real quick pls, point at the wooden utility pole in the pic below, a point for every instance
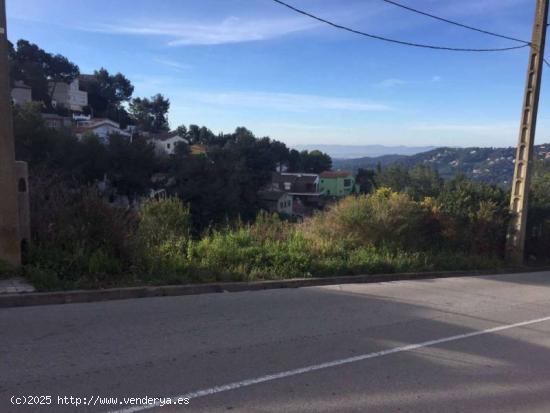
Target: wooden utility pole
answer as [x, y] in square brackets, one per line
[524, 154]
[10, 250]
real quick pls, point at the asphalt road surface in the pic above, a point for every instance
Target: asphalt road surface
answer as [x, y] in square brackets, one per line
[472, 344]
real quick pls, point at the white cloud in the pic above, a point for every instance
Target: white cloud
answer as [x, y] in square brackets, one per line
[172, 64]
[289, 102]
[229, 30]
[436, 78]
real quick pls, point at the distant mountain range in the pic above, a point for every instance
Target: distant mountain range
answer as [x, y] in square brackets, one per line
[350, 151]
[490, 165]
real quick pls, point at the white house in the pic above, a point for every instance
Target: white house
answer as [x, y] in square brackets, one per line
[166, 142]
[69, 95]
[56, 121]
[101, 127]
[21, 93]
[276, 201]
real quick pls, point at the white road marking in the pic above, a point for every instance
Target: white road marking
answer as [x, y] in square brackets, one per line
[334, 363]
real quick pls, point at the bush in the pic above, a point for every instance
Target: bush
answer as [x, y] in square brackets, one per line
[538, 233]
[82, 242]
[77, 236]
[474, 217]
[162, 236]
[6, 270]
[382, 218]
[267, 249]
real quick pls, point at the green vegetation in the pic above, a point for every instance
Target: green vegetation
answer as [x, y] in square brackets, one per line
[210, 227]
[538, 242]
[493, 166]
[36, 67]
[82, 243]
[219, 187]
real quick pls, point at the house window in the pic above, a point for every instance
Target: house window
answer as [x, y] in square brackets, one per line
[167, 146]
[287, 186]
[347, 182]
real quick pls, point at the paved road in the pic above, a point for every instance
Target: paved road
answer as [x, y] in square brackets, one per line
[480, 345]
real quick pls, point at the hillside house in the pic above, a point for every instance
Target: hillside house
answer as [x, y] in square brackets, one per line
[304, 189]
[69, 95]
[57, 122]
[166, 142]
[276, 201]
[101, 127]
[337, 183]
[21, 93]
[296, 183]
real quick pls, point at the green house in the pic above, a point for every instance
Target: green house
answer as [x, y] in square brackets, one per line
[337, 183]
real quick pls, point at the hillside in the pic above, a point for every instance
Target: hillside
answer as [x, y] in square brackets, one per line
[357, 151]
[490, 165]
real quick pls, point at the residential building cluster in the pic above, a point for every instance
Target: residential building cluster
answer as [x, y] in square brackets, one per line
[71, 97]
[300, 194]
[291, 194]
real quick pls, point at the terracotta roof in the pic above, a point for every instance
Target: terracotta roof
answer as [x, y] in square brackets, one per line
[198, 149]
[335, 174]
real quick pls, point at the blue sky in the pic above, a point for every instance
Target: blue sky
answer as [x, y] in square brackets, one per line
[228, 63]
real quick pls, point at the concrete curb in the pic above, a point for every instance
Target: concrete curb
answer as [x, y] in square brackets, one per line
[87, 296]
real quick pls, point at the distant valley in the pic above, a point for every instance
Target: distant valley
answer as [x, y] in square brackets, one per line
[358, 151]
[490, 165]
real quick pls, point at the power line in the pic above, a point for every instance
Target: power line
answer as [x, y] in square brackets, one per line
[453, 22]
[386, 39]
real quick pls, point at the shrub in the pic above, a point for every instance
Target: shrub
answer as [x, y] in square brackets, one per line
[382, 218]
[268, 226]
[82, 242]
[538, 233]
[162, 236]
[6, 270]
[76, 235]
[474, 217]
[269, 248]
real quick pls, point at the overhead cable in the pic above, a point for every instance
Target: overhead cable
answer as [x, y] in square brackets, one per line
[401, 42]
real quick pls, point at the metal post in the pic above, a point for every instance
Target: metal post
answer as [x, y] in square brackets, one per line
[10, 250]
[524, 153]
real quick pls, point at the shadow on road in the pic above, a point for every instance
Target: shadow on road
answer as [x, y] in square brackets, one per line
[170, 346]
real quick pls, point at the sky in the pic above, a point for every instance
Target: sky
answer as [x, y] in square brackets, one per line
[254, 63]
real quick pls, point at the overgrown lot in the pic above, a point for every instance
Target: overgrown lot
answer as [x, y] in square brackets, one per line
[82, 242]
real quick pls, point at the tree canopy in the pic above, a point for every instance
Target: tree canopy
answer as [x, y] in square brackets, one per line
[309, 162]
[107, 93]
[36, 67]
[150, 115]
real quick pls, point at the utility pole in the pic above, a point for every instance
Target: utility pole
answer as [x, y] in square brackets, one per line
[10, 250]
[524, 154]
